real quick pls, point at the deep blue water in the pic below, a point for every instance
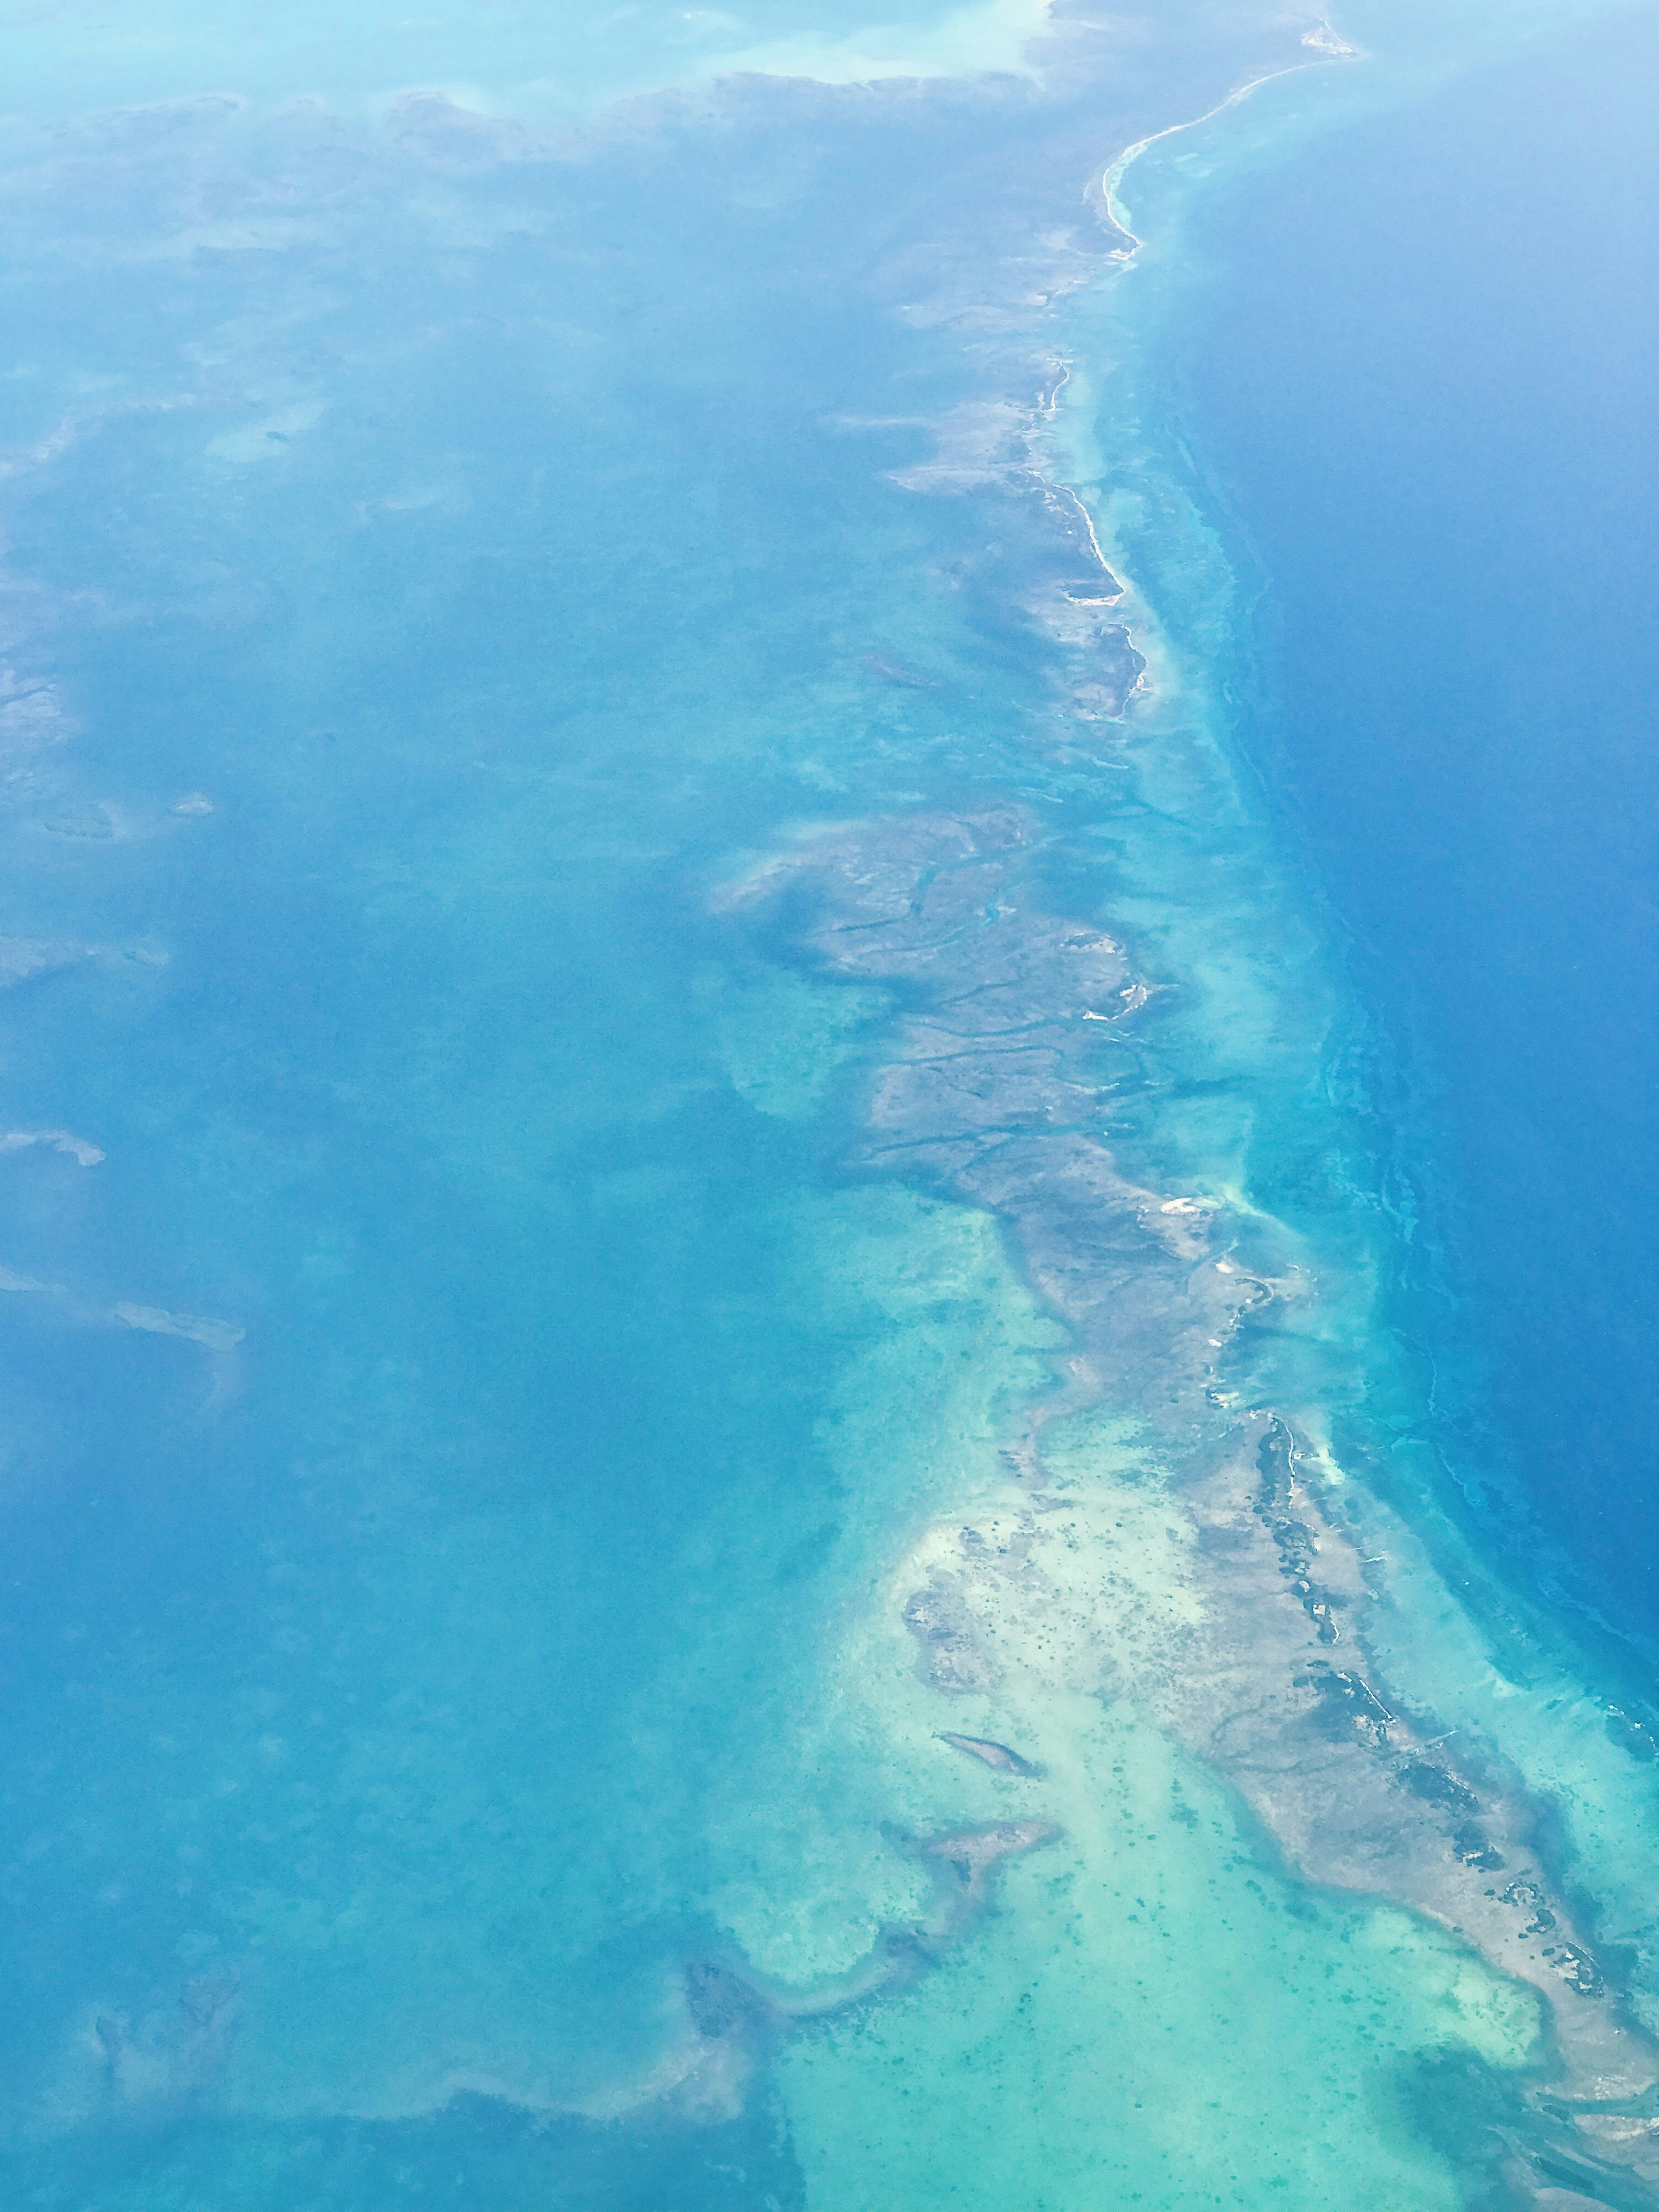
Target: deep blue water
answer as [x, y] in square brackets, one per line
[466, 550]
[1422, 375]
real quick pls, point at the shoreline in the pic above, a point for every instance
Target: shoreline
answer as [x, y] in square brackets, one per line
[1266, 1677]
[1057, 1007]
[1327, 47]
[1453, 1836]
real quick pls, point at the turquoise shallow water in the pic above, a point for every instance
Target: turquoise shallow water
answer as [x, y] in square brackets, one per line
[474, 1428]
[549, 61]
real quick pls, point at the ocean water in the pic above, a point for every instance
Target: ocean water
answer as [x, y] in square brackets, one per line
[1431, 410]
[570, 760]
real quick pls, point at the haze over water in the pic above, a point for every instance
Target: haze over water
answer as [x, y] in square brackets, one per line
[746, 1327]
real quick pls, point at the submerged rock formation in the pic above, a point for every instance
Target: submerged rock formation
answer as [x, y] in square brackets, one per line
[995, 1086]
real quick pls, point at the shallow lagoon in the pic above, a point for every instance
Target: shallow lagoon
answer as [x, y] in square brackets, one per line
[509, 555]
